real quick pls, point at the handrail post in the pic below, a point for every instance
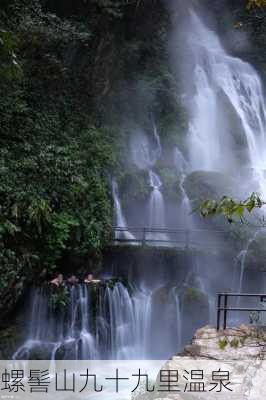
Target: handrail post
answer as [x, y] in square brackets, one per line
[225, 310]
[219, 311]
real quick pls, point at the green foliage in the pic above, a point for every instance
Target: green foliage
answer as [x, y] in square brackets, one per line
[9, 66]
[171, 184]
[234, 343]
[231, 209]
[111, 7]
[222, 343]
[55, 164]
[256, 3]
[193, 294]
[58, 298]
[134, 185]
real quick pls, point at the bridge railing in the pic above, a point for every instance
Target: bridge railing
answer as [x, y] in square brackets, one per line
[223, 307]
[165, 236]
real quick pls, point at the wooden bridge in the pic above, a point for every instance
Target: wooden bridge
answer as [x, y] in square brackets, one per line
[168, 237]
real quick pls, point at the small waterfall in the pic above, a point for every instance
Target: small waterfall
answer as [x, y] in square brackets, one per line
[241, 259]
[178, 319]
[186, 209]
[146, 151]
[156, 149]
[120, 219]
[156, 209]
[182, 168]
[66, 334]
[180, 162]
[156, 202]
[140, 150]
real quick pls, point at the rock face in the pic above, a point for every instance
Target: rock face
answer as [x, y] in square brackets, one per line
[242, 343]
[195, 311]
[241, 351]
[200, 185]
[256, 255]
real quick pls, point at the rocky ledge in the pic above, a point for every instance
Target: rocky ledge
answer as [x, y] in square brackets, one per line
[241, 343]
[241, 351]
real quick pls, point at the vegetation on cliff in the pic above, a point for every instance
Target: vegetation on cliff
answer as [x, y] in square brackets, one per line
[75, 76]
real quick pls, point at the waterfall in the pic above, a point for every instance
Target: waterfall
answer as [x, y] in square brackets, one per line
[156, 202]
[180, 162]
[182, 169]
[156, 209]
[120, 219]
[144, 320]
[66, 333]
[156, 149]
[178, 319]
[146, 151]
[156, 206]
[223, 82]
[100, 323]
[241, 260]
[186, 209]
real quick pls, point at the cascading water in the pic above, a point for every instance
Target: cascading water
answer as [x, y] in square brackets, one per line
[146, 151]
[156, 209]
[120, 219]
[222, 85]
[241, 261]
[66, 334]
[156, 201]
[100, 323]
[224, 82]
[145, 320]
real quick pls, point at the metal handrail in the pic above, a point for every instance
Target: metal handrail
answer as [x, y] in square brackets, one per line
[224, 308]
[144, 235]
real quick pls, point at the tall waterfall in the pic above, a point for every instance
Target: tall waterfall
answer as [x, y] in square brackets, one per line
[223, 83]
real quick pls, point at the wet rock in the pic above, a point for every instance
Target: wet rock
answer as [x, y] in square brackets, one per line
[244, 342]
[195, 311]
[256, 255]
[201, 185]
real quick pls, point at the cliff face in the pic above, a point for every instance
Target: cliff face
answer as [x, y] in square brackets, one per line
[74, 74]
[240, 351]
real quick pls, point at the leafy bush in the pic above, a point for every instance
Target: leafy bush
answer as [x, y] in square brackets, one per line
[54, 162]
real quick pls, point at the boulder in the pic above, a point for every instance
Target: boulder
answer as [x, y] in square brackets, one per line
[202, 185]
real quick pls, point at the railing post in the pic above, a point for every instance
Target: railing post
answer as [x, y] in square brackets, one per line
[225, 310]
[219, 311]
[144, 237]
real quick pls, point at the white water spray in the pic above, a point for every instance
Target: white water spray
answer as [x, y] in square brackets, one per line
[224, 82]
